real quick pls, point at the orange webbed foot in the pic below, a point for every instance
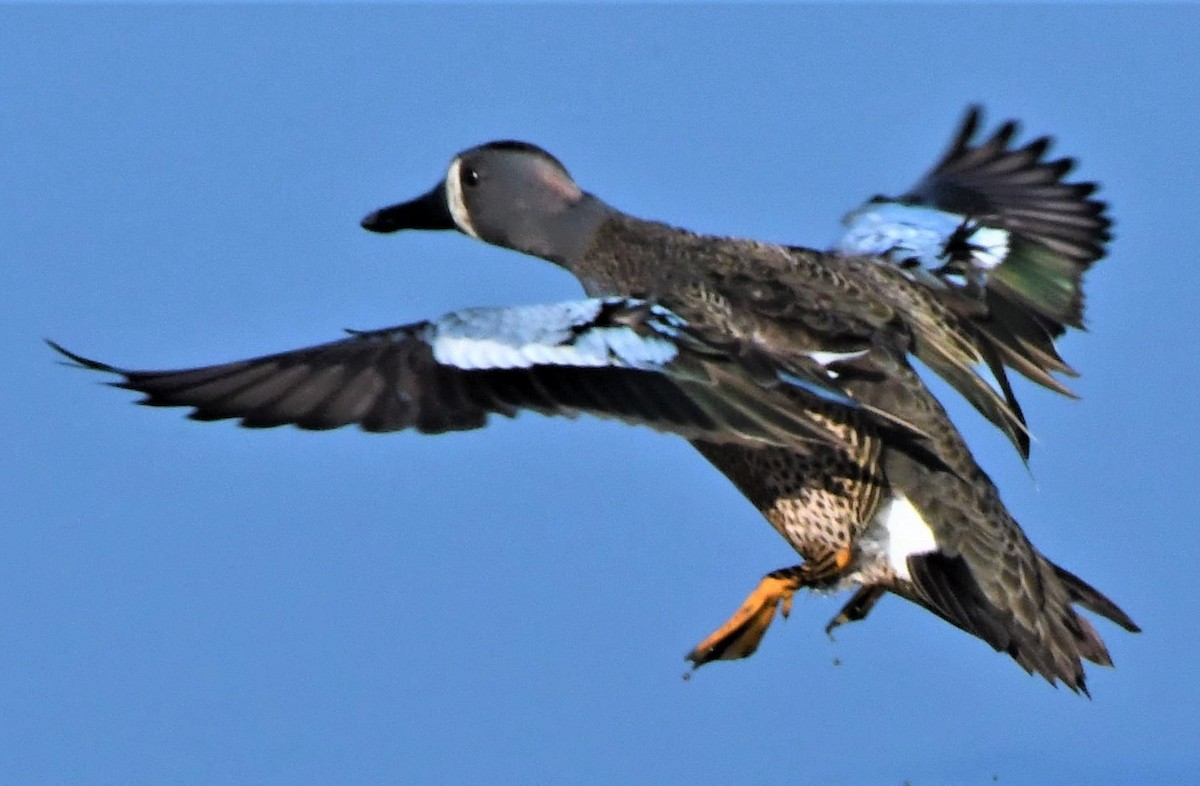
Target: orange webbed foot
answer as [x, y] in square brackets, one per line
[741, 634]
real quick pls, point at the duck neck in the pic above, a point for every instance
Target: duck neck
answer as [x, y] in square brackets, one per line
[563, 238]
[625, 255]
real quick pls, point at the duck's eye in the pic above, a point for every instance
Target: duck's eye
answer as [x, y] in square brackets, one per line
[469, 177]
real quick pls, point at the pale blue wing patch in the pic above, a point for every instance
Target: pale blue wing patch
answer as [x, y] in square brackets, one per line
[562, 334]
[905, 233]
[823, 391]
[597, 333]
[821, 382]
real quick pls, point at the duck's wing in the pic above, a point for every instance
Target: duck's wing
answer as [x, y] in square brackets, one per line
[833, 307]
[612, 357]
[997, 235]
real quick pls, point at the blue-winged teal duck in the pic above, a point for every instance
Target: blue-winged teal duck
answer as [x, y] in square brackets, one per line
[786, 367]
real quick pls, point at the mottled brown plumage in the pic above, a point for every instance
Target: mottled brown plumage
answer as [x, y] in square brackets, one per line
[985, 577]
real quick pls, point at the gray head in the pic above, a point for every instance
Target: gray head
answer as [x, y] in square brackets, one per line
[510, 194]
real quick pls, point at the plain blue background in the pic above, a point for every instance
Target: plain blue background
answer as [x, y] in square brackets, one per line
[196, 603]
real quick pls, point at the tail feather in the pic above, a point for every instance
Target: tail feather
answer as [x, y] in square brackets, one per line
[1054, 647]
[1093, 600]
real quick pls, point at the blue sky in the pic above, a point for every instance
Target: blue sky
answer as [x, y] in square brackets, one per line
[197, 603]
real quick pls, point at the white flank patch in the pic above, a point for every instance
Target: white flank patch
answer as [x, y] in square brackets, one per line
[904, 533]
[454, 198]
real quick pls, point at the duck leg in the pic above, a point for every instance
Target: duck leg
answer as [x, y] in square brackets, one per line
[741, 634]
[857, 608]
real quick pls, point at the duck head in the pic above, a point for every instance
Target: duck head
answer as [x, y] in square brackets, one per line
[510, 194]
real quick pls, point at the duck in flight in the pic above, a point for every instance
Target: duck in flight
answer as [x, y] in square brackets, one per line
[786, 367]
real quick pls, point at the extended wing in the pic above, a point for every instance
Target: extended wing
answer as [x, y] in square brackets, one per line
[997, 237]
[612, 357]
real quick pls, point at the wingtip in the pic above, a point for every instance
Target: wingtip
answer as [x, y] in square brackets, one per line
[79, 361]
[972, 118]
